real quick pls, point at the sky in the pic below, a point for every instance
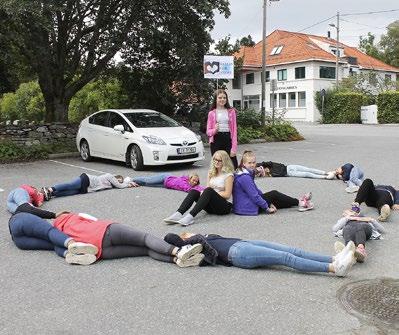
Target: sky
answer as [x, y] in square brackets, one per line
[299, 15]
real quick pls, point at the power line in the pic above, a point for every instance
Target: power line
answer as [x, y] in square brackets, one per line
[316, 24]
[367, 13]
[362, 24]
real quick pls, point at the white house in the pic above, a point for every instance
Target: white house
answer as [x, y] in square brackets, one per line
[302, 65]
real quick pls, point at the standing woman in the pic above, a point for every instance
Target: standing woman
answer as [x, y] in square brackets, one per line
[222, 126]
[214, 199]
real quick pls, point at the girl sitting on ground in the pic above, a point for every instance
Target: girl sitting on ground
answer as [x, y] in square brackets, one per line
[250, 254]
[167, 180]
[214, 199]
[248, 199]
[351, 175]
[358, 229]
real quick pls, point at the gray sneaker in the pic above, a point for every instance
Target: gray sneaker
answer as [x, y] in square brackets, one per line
[385, 212]
[187, 251]
[174, 218]
[82, 248]
[352, 189]
[81, 259]
[186, 220]
[344, 264]
[192, 261]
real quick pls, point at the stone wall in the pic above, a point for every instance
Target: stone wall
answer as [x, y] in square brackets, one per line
[39, 134]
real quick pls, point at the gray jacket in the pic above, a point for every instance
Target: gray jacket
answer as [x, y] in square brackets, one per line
[103, 182]
[377, 228]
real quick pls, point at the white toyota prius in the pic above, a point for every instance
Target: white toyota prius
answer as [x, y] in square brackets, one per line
[138, 137]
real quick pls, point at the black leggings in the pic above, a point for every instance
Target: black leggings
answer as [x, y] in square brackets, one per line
[222, 141]
[209, 200]
[124, 241]
[358, 232]
[280, 200]
[372, 197]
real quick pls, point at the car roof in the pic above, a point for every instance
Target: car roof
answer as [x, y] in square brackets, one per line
[123, 111]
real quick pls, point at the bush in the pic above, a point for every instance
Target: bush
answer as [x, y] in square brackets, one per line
[388, 107]
[247, 134]
[283, 131]
[11, 152]
[340, 107]
[248, 118]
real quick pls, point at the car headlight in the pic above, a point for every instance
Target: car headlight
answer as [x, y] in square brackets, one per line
[154, 140]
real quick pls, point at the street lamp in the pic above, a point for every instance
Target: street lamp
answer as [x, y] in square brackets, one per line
[263, 95]
[336, 26]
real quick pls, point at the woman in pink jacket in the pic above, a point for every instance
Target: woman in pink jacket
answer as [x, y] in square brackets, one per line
[222, 126]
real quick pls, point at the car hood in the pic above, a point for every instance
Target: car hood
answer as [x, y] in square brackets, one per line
[169, 133]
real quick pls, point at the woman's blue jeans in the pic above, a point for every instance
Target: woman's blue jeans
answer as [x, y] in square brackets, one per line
[29, 232]
[254, 254]
[17, 197]
[305, 172]
[65, 189]
[154, 181]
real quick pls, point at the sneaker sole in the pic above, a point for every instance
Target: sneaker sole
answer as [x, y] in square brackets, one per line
[192, 261]
[196, 249]
[83, 249]
[86, 259]
[359, 257]
[303, 209]
[170, 222]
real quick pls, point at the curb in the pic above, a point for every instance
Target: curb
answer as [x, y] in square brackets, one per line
[64, 155]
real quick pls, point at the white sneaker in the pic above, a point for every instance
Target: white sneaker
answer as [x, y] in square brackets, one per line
[343, 250]
[194, 260]
[338, 247]
[174, 218]
[343, 264]
[186, 220]
[187, 251]
[82, 248]
[81, 259]
[352, 189]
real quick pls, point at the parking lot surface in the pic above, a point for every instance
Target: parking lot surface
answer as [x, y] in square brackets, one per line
[41, 294]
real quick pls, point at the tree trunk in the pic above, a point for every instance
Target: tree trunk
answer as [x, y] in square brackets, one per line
[56, 108]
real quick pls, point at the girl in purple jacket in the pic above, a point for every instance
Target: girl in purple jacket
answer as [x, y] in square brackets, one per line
[248, 199]
[221, 126]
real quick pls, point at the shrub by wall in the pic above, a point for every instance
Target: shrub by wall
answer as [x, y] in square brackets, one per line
[388, 107]
[340, 107]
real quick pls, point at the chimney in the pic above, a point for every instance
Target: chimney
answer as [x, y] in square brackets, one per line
[328, 34]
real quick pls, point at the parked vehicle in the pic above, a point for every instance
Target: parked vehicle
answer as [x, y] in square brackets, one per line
[138, 137]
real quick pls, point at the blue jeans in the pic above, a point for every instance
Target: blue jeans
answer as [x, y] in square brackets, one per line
[29, 232]
[153, 181]
[17, 197]
[65, 189]
[254, 254]
[356, 177]
[305, 172]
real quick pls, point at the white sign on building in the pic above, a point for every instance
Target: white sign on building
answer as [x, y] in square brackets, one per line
[218, 67]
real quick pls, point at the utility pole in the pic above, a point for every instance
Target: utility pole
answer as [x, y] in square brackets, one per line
[337, 56]
[262, 104]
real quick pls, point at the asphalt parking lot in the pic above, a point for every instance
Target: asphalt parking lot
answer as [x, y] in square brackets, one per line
[42, 294]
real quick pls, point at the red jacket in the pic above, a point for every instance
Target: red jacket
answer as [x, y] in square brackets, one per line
[36, 198]
[83, 229]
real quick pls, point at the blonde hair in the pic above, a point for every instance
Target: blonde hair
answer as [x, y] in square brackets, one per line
[245, 156]
[194, 174]
[185, 235]
[227, 165]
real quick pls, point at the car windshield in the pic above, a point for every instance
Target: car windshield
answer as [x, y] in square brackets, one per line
[151, 120]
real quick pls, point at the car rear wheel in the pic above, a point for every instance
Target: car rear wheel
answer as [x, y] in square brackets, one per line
[85, 151]
[136, 158]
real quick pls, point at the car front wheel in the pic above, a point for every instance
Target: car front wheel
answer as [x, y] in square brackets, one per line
[136, 158]
[85, 151]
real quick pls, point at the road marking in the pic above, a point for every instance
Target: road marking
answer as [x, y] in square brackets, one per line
[76, 166]
[1, 190]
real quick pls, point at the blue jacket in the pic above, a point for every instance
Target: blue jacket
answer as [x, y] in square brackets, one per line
[247, 197]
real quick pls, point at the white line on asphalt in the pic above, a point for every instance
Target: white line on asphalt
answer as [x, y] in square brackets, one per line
[306, 150]
[76, 166]
[1, 190]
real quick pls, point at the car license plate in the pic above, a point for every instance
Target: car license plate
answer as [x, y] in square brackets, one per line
[182, 151]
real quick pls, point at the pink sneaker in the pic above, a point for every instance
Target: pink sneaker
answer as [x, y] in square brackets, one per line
[305, 205]
[360, 254]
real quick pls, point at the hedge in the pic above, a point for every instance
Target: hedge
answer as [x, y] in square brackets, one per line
[340, 107]
[388, 107]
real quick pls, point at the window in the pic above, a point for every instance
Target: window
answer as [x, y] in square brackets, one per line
[150, 120]
[282, 74]
[273, 100]
[300, 72]
[251, 102]
[388, 77]
[237, 104]
[250, 78]
[291, 99]
[301, 99]
[115, 119]
[267, 76]
[237, 82]
[276, 50]
[282, 100]
[99, 118]
[327, 72]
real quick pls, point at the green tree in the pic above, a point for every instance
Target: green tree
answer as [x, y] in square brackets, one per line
[390, 44]
[366, 44]
[70, 42]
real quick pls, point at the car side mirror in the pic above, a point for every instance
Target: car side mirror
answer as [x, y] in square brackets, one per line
[120, 128]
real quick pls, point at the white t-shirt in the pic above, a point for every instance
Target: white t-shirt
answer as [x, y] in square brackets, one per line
[222, 117]
[218, 182]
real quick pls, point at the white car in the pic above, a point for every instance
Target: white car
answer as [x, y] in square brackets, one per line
[138, 137]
